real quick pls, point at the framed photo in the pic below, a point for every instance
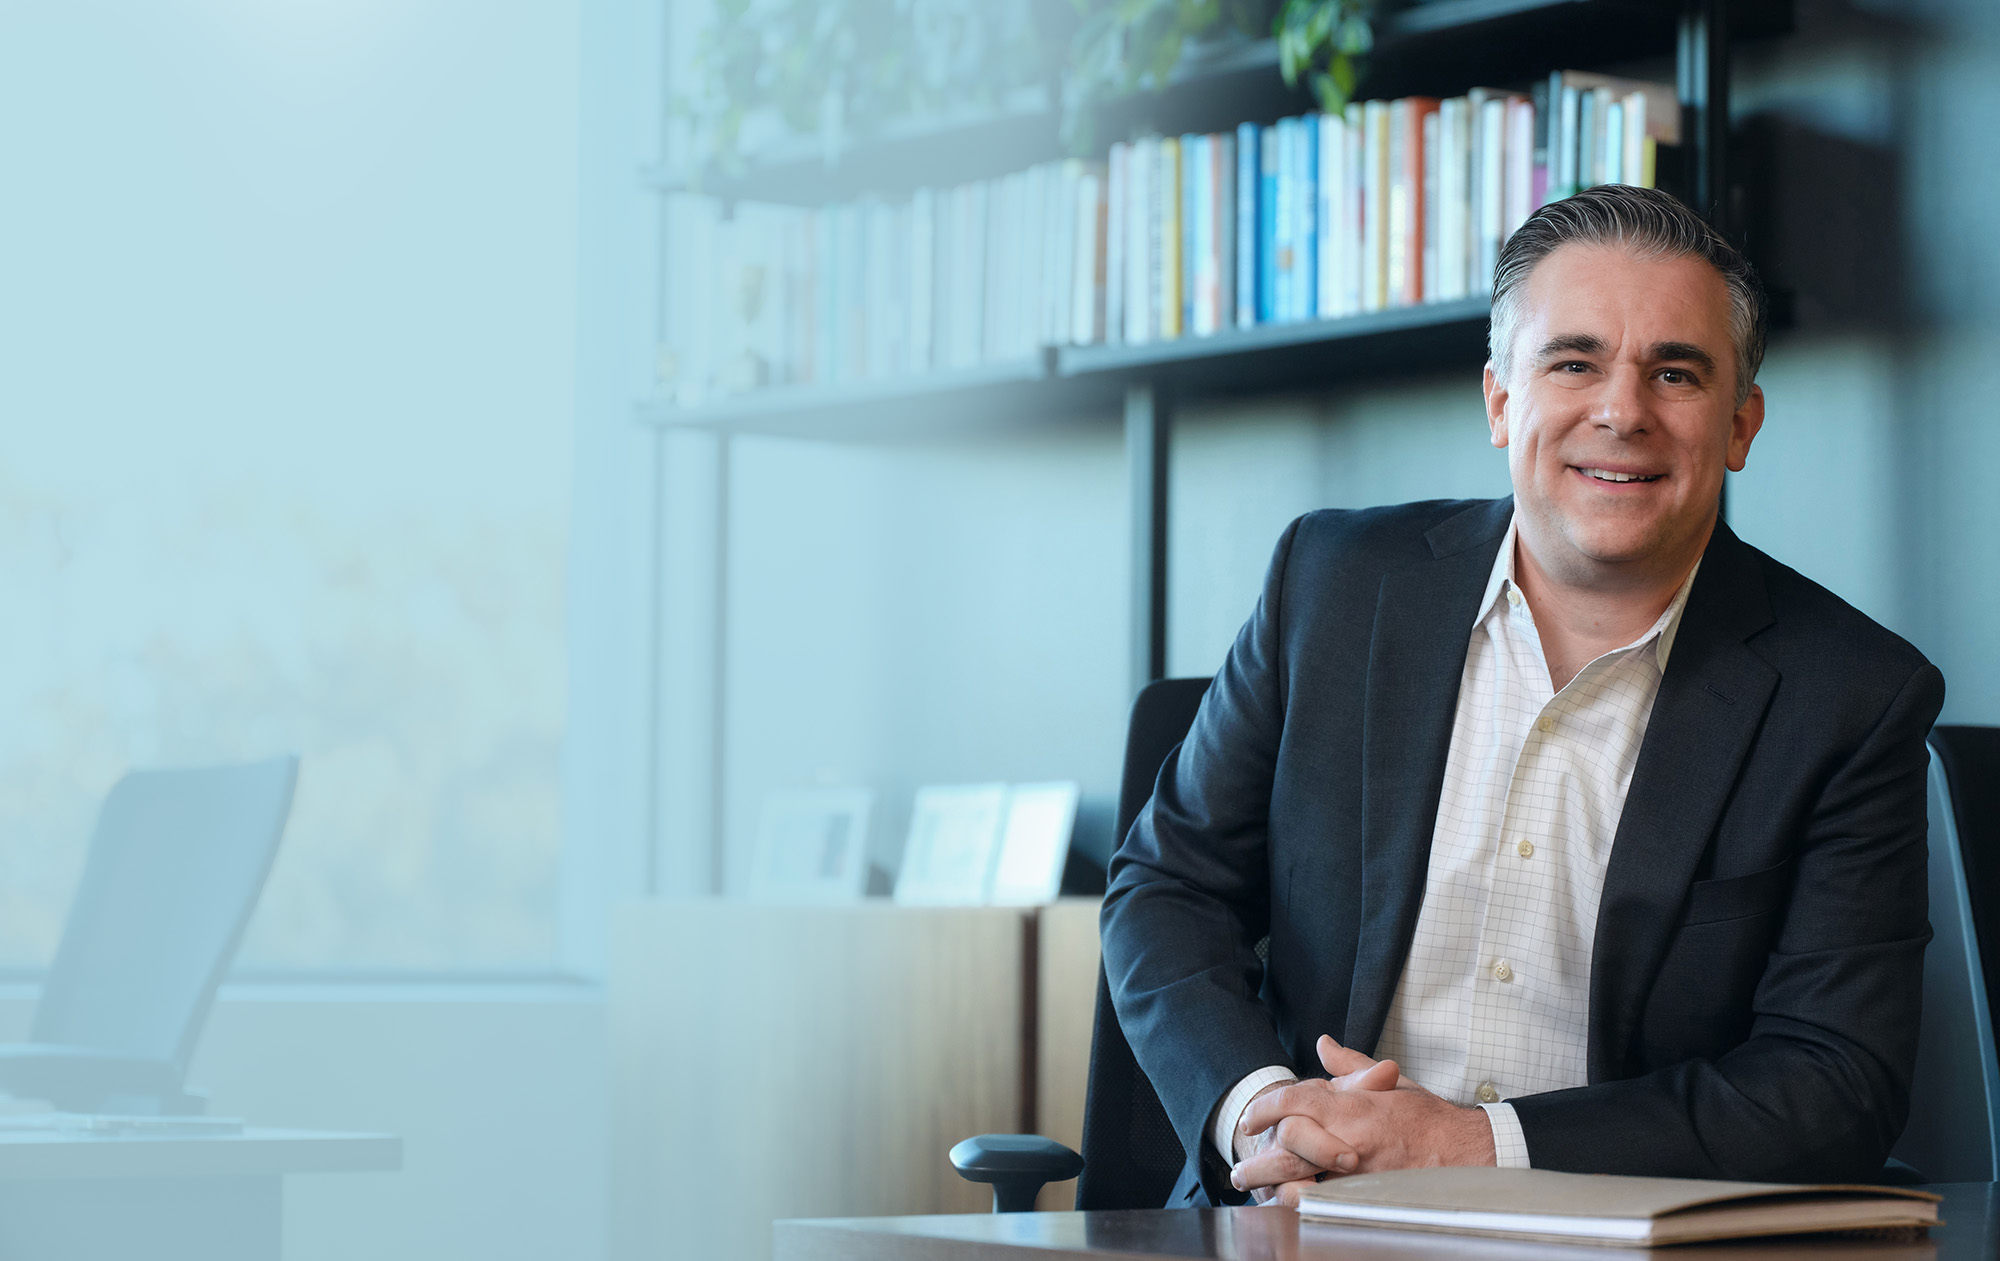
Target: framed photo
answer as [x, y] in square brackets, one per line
[1034, 843]
[954, 832]
[812, 846]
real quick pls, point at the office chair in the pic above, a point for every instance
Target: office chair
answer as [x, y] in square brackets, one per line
[1131, 1155]
[174, 870]
[1953, 1134]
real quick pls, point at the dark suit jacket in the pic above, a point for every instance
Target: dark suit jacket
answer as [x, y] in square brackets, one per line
[1758, 961]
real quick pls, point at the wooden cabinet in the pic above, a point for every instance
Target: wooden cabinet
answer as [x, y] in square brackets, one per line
[790, 1061]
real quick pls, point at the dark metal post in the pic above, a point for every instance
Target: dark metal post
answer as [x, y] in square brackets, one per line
[1704, 92]
[1148, 440]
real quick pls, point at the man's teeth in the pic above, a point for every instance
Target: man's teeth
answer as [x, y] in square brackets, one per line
[1606, 475]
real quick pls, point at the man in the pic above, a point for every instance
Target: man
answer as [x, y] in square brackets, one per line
[1584, 835]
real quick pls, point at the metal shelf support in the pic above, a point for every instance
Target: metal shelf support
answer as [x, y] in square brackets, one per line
[1148, 450]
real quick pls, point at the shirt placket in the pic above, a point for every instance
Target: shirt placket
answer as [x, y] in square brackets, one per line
[1501, 989]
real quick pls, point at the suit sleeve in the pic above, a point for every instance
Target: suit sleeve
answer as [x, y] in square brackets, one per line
[1188, 894]
[1819, 1091]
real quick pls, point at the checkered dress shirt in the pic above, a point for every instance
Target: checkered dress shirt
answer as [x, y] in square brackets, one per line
[1494, 999]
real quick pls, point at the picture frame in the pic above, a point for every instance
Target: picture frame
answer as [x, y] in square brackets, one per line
[948, 856]
[1034, 844]
[812, 846]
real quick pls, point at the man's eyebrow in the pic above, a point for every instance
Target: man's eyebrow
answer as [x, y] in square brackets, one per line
[1684, 352]
[1571, 344]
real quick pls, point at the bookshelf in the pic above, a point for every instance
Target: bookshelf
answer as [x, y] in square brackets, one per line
[1437, 47]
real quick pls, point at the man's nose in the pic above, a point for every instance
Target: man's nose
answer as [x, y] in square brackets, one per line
[1621, 407]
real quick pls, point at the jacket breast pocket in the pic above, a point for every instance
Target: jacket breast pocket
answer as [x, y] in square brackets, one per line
[1737, 897]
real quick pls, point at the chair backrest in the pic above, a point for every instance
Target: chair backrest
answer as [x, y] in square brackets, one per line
[1132, 1157]
[174, 870]
[1953, 1133]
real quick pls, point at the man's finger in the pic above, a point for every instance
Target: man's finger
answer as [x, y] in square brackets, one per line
[1379, 1076]
[1302, 1098]
[1351, 1070]
[1299, 1148]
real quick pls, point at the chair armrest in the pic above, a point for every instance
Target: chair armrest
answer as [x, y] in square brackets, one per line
[87, 1079]
[1016, 1164]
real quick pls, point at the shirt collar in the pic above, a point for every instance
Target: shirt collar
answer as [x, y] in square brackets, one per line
[1662, 632]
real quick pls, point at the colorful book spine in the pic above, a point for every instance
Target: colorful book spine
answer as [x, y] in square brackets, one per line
[1375, 208]
[1305, 218]
[1267, 225]
[1141, 272]
[1194, 167]
[1331, 139]
[1168, 194]
[1222, 244]
[1248, 147]
[1116, 231]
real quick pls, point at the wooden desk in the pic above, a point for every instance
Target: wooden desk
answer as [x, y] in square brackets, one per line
[66, 1194]
[1971, 1230]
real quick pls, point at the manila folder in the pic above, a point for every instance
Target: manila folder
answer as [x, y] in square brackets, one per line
[1608, 1208]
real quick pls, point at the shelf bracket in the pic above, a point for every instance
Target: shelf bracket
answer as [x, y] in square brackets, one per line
[1148, 448]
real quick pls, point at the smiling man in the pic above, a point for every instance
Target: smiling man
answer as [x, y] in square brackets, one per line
[1584, 835]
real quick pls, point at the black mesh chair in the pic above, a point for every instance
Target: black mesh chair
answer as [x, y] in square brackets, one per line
[1131, 1155]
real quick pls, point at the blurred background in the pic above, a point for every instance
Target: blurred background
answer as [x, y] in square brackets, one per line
[398, 385]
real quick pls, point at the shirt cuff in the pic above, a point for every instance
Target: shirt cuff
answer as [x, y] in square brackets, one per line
[1222, 1131]
[1510, 1146]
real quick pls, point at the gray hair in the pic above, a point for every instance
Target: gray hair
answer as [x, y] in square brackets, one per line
[1652, 225]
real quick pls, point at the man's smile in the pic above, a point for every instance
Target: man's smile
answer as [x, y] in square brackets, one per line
[1604, 476]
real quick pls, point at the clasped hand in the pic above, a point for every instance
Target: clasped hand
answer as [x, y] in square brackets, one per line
[1364, 1116]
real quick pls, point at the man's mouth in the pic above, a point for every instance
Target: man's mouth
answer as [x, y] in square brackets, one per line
[1611, 475]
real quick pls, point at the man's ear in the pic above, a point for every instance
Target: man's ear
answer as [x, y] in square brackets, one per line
[1496, 407]
[1743, 427]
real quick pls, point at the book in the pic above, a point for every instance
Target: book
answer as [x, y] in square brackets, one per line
[1348, 228]
[1546, 1206]
[1518, 195]
[1284, 230]
[1115, 236]
[1167, 195]
[1305, 217]
[1223, 229]
[1453, 195]
[1375, 206]
[1489, 189]
[1086, 317]
[1332, 142]
[1140, 269]
[1406, 198]
[1249, 147]
[1197, 277]
[1267, 224]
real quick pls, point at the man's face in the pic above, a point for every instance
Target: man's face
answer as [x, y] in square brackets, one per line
[1619, 412]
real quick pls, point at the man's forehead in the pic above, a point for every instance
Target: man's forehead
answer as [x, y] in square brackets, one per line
[1620, 297]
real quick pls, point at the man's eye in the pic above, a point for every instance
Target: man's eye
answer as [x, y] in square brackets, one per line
[1573, 365]
[1677, 376]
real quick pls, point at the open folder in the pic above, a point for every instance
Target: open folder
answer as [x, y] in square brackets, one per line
[1544, 1205]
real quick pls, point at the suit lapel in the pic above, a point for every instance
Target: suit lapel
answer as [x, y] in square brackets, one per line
[1416, 658]
[1710, 704]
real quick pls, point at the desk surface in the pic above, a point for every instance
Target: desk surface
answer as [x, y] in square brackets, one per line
[252, 1152]
[1971, 1230]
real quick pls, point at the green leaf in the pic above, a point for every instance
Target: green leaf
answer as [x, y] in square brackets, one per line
[1344, 76]
[1356, 37]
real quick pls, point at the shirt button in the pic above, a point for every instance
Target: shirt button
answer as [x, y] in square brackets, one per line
[1525, 848]
[1514, 597]
[1487, 1093]
[1501, 972]
[1545, 723]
